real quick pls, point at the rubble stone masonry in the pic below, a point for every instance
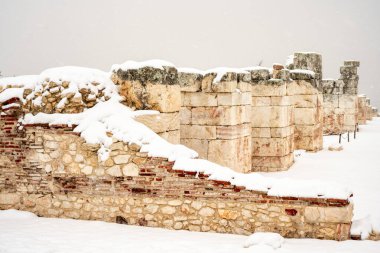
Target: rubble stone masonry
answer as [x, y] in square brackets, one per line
[52, 172]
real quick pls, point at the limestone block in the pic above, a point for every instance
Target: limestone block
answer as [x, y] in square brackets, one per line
[221, 115]
[261, 101]
[171, 136]
[185, 115]
[329, 214]
[272, 87]
[261, 132]
[189, 82]
[305, 116]
[164, 98]
[281, 101]
[271, 146]
[305, 101]
[234, 98]
[233, 132]
[194, 99]
[9, 198]
[272, 163]
[131, 170]
[198, 132]
[231, 153]
[200, 146]
[280, 132]
[270, 116]
[162, 122]
[301, 87]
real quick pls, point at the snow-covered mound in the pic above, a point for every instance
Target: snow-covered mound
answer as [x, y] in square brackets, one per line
[273, 187]
[13, 214]
[272, 240]
[55, 88]
[222, 71]
[112, 116]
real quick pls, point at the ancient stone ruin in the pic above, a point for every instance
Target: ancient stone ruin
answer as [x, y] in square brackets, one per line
[86, 144]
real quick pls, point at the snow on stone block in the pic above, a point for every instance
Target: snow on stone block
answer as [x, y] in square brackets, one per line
[11, 93]
[272, 240]
[225, 74]
[155, 63]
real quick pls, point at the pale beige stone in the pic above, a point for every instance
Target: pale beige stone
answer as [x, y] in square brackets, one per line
[185, 115]
[168, 210]
[206, 211]
[9, 198]
[87, 170]
[131, 170]
[160, 122]
[114, 171]
[195, 99]
[328, 214]
[198, 132]
[66, 158]
[121, 159]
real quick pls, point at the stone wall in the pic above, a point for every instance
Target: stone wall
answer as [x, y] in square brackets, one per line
[362, 110]
[333, 120]
[349, 75]
[52, 172]
[150, 88]
[369, 109]
[340, 100]
[215, 118]
[307, 100]
[272, 120]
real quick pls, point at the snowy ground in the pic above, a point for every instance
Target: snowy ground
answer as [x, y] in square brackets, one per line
[23, 232]
[357, 166]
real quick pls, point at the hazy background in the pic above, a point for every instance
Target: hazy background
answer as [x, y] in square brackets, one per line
[38, 34]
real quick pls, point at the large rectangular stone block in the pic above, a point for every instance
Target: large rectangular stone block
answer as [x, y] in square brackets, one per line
[234, 98]
[233, 132]
[272, 87]
[301, 87]
[271, 116]
[272, 146]
[195, 99]
[272, 163]
[198, 132]
[162, 122]
[221, 115]
[200, 146]
[235, 154]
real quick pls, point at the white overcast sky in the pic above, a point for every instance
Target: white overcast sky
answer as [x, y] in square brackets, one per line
[39, 34]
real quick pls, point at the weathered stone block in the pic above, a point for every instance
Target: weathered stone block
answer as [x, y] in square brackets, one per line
[198, 132]
[272, 87]
[195, 99]
[328, 214]
[162, 122]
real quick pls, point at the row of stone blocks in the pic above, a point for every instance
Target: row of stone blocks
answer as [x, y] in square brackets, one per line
[247, 120]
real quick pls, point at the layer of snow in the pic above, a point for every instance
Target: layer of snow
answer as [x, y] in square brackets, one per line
[12, 214]
[272, 240]
[255, 68]
[11, 93]
[156, 63]
[42, 235]
[220, 72]
[112, 116]
[191, 70]
[273, 187]
[26, 81]
[289, 60]
[10, 106]
[357, 165]
[303, 71]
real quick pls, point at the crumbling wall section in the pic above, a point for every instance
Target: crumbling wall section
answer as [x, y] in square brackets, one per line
[150, 88]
